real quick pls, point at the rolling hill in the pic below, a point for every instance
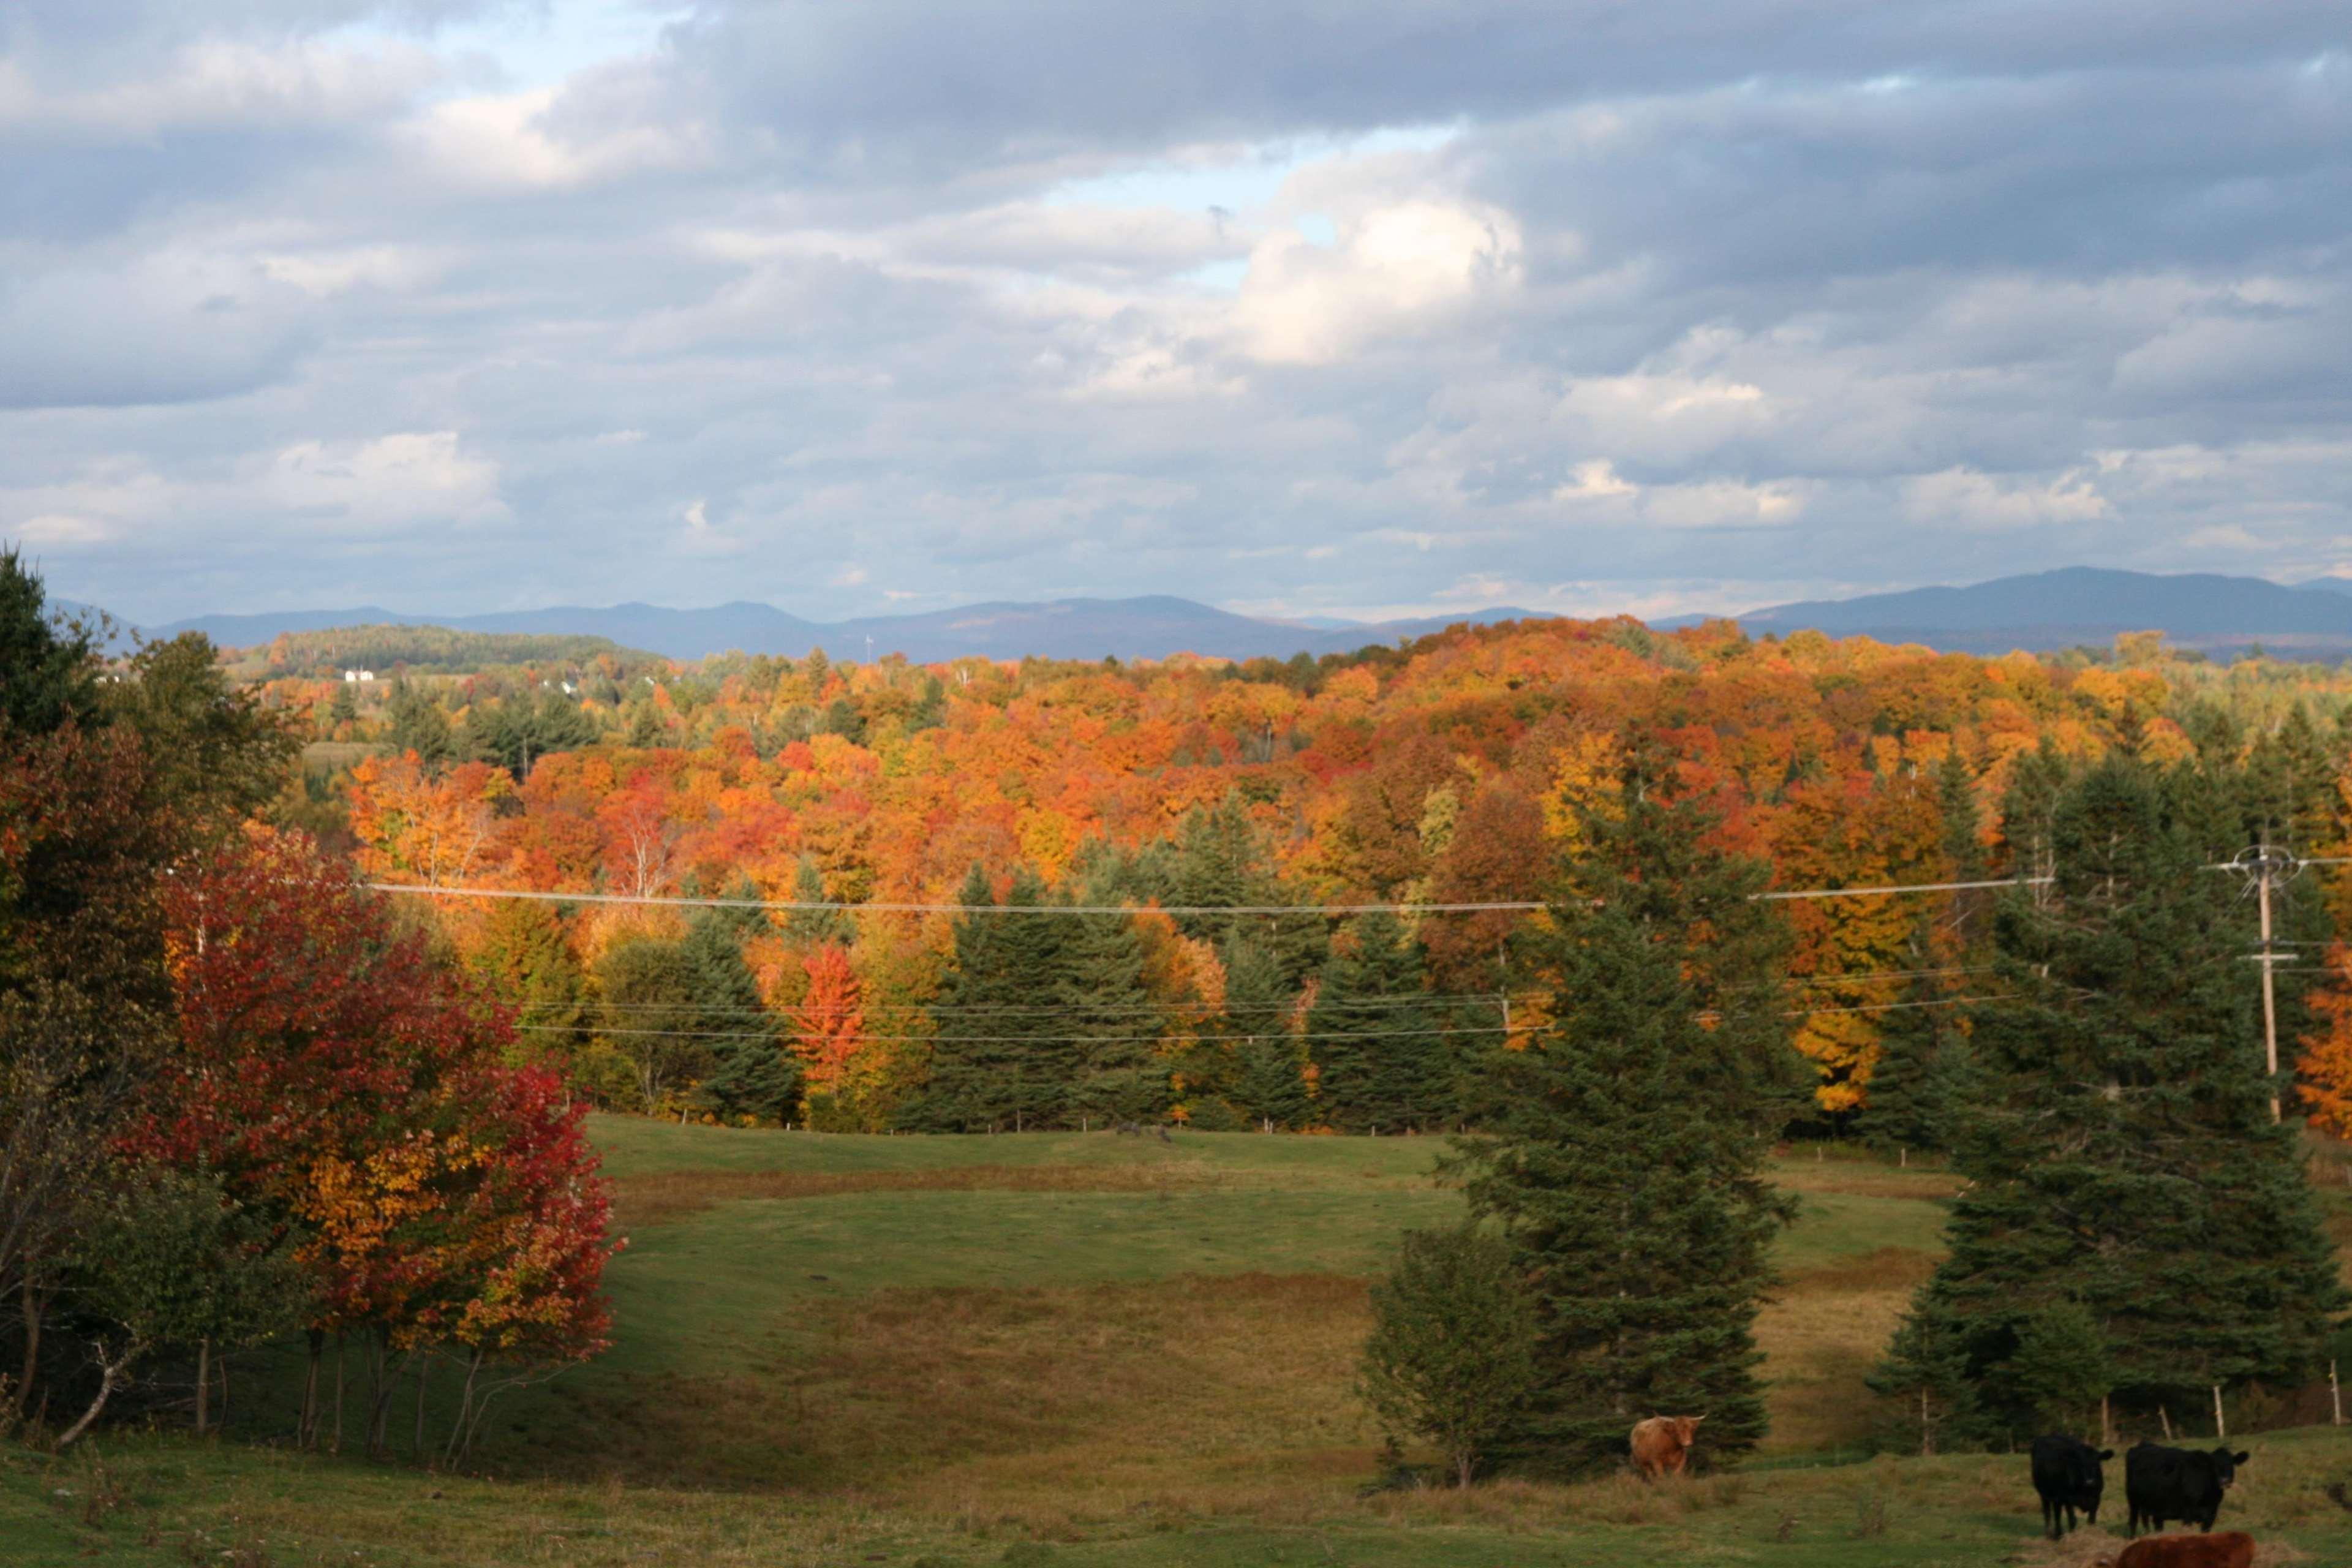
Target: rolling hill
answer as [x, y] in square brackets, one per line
[1152, 626]
[2086, 604]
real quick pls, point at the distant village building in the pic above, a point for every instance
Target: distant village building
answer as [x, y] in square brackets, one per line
[352, 677]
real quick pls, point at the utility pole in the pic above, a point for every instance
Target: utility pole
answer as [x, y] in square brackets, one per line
[2269, 1015]
[2268, 866]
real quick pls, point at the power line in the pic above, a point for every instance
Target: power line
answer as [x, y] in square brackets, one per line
[830, 907]
[1436, 1030]
[824, 906]
[1023, 1039]
[1905, 888]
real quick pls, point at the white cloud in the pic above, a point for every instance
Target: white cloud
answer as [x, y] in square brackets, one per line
[64, 528]
[1594, 481]
[1964, 497]
[412, 477]
[222, 83]
[1394, 269]
[338, 270]
[522, 140]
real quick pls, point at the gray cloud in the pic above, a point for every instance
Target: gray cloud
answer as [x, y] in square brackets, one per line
[828, 304]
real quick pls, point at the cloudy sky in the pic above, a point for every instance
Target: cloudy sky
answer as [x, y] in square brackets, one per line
[1296, 306]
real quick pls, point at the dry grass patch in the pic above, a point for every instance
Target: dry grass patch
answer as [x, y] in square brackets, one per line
[1885, 1268]
[1820, 1340]
[672, 1194]
[1050, 1406]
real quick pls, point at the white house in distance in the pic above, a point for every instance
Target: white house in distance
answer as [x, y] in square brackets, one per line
[354, 677]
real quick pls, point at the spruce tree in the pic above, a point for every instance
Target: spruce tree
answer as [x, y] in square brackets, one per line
[753, 1075]
[2122, 1164]
[1381, 1059]
[416, 723]
[1926, 1070]
[812, 928]
[1624, 1151]
[1117, 1073]
[48, 670]
[1221, 861]
[1270, 1061]
[999, 1060]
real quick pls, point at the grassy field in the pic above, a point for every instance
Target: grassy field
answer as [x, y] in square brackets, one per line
[1064, 1349]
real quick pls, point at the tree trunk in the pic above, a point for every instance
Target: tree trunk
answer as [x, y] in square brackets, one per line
[1462, 1466]
[337, 1447]
[2221, 1427]
[2335, 1391]
[2164, 1418]
[417, 1441]
[2106, 1423]
[461, 1436]
[110, 1373]
[306, 1430]
[31, 1300]
[1927, 1429]
[204, 1382]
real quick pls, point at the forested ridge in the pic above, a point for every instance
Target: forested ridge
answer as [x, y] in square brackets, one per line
[1450, 770]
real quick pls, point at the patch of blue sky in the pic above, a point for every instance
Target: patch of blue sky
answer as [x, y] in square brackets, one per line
[539, 46]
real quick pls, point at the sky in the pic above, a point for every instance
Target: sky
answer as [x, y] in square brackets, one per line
[1296, 307]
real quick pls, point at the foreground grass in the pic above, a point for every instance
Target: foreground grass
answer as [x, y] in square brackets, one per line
[1076, 1348]
[165, 1500]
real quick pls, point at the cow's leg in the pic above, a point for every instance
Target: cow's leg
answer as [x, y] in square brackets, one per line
[2050, 1518]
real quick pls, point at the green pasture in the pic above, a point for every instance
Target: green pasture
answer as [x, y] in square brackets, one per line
[1070, 1349]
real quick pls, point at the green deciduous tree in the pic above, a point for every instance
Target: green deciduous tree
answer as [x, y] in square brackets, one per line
[166, 1261]
[215, 756]
[652, 996]
[1450, 1358]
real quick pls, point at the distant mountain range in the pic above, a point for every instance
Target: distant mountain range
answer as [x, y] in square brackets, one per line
[1149, 627]
[2086, 604]
[2074, 606]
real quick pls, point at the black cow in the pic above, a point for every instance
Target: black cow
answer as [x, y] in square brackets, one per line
[2066, 1472]
[2185, 1484]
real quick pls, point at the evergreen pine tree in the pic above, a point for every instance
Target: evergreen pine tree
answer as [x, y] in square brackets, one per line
[1925, 1073]
[416, 723]
[998, 1061]
[1624, 1151]
[1220, 861]
[753, 1072]
[1270, 1061]
[48, 672]
[1382, 1061]
[1117, 1073]
[812, 928]
[2121, 1157]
